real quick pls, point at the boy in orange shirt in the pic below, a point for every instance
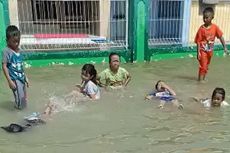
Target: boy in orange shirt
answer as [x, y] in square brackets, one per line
[204, 39]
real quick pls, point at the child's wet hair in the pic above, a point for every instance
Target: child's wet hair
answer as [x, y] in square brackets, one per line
[219, 91]
[111, 54]
[90, 69]
[12, 31]
[208, 10]
[159, 81]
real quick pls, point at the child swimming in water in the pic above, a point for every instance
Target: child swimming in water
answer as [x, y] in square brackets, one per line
[87, 90]
[165, 94]
[217, 99]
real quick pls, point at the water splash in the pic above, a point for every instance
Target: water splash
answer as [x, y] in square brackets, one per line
[68, 102]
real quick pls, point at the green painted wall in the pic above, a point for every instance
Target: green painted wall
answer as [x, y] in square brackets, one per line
[138, 49]
[40, 59]
[138, 28]
[5, 11]
[2, 29]
[72, 57]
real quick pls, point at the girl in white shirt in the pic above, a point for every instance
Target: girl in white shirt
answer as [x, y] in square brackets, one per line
[217, 100]
[87, 90]
[89, 83]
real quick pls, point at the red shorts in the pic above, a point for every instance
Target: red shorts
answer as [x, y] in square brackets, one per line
[204, 61]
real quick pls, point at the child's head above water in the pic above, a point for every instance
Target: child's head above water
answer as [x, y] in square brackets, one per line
[88, 72]
[159, 86]
[114, 61]
[218, 96]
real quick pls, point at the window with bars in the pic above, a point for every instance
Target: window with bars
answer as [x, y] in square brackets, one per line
[68, 14]
[44, 10]
[72, 24]
[118, 20]
[166, 21]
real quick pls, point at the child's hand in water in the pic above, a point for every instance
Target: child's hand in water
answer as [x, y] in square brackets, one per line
[78, 86]
[195, 99]
[148, 97]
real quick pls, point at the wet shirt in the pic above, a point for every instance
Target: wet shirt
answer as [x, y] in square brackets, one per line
[164, 95]
[114, 79]
[91, 89]
[205, 37]
[207, 103]
[14, 62]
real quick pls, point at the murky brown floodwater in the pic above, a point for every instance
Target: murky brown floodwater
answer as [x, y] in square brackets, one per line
[121, 121]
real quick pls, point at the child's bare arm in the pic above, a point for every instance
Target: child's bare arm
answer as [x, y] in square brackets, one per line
[172, 92]
[195, 99]
[127, 79]
[148, 97]
[6, 73]
[224, 45]
[92, 96]
[99, 82]
[27, 81]
[200, 100]
[80, 87]
[198, 52]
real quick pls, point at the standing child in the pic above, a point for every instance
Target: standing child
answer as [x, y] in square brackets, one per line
[165, 94]
[217, 100]
[204, 39]
[12, 65]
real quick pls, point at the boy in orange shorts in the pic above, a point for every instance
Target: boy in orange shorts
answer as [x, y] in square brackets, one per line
[204, 39]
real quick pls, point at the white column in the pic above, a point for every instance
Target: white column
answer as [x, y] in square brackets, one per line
[186, 22]
[104, 18]
[13, 12]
